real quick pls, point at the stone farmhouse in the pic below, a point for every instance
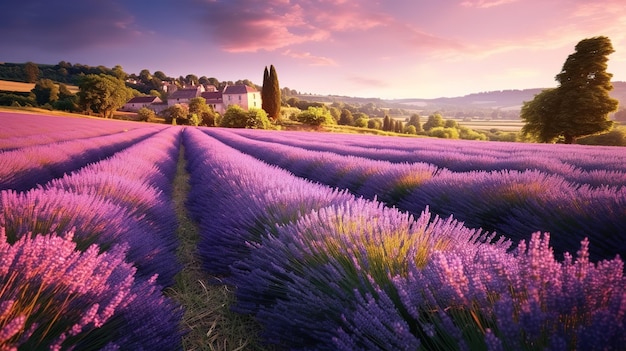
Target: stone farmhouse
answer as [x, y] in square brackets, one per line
[138, 102]
[245, 96]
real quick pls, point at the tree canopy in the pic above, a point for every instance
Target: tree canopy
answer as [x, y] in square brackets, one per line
[435, 120]
[580, 104]
[103, 94]
[31, 71]
[45, 91]
[316, 116]
[205, 113]
[237, 117]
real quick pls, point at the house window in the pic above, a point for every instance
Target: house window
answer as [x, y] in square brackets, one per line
[239, 97]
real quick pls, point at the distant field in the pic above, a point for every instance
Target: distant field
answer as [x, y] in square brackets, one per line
[6, 85]
[503, 125]
[16, 86]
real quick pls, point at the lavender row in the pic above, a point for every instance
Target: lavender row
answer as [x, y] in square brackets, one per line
[353, 274]
[21, 129]
[512, 203]
[24, 168]
[593, 165]
[221, 180]
[108, 228]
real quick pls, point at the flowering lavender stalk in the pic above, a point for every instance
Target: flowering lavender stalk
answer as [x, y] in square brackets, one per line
[53, 295]
[321, 275]
[522, 300]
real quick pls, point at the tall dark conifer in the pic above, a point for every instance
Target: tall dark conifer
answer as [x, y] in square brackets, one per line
[271, 93]
[265, 89]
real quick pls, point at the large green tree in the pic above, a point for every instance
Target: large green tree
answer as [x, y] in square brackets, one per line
[31, 72]
[434, 121]
[45, 91]
[205, 112]
[414, 121]
[346, 118]
[580, 104]
[270, 93]
[540, 115]
[176, 114]
[103, 94]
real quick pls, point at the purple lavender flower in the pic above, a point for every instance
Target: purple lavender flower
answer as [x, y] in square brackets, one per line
[51, 286]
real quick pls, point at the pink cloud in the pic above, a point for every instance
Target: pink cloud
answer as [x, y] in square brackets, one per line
[484, 4]
[307, 56]
[368, 81]
[253, 25]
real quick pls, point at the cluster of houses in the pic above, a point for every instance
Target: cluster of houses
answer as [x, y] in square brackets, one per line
[245, 96]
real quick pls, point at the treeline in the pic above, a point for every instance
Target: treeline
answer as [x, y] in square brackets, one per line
[144, 82]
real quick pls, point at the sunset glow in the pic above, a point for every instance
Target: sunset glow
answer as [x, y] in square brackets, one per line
[407, 48]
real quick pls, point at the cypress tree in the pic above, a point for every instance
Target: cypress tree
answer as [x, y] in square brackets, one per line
[264, 90]
[387, 123]
[275, 93]
[270, 94]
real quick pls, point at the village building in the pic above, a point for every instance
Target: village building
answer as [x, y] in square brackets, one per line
[184, 95]
[242, 95]
[136, 103]
[215, 100]
[245, 96]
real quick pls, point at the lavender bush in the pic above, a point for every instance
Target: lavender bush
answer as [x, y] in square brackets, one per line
[310, 274]
[121, 202]
[53, 296]
[25, 168]
[354, 275]
[587, 203]
[235, 198]
[21, 130]
[91, 203]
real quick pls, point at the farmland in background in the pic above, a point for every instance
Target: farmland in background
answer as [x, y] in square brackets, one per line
[21, 87]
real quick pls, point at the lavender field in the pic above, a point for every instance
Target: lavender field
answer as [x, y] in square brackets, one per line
[331, 242]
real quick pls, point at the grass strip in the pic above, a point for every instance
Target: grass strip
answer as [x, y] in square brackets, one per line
[210, 323]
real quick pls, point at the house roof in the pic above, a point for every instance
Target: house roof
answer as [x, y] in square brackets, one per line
[239, 89]
[143, 99]
[189, 93]
[212, 96]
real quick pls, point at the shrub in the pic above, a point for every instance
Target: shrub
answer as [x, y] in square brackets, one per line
[410, 130]
[145, 114]
[470, 134]
[616, 137]
[445, 133]
[361, 122]
[374, 123]
[316, 116]
[236, 117]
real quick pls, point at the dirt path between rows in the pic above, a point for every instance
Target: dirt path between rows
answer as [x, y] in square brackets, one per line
[209, 322]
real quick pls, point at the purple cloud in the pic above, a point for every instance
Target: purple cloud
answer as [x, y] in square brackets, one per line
[72, 25]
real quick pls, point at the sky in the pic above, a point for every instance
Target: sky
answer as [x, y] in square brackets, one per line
[365, 48]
